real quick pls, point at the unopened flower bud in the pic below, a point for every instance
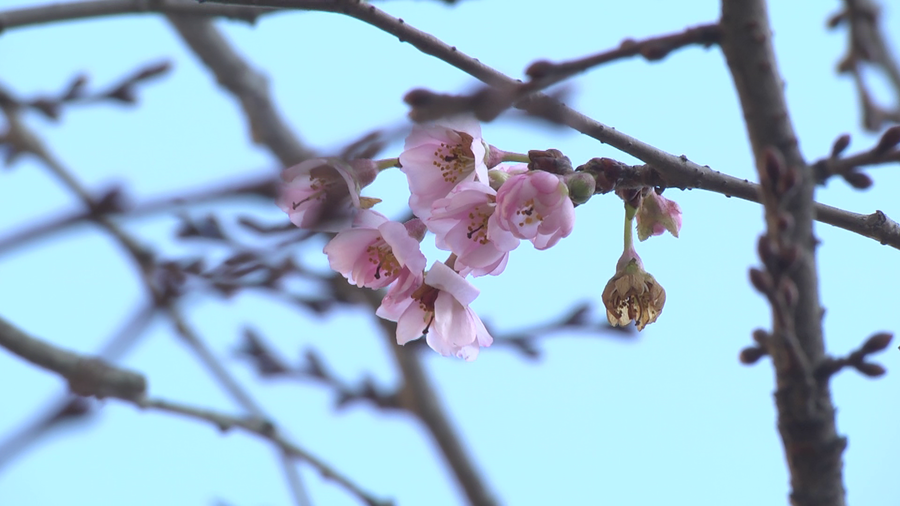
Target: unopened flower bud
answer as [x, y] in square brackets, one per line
[656, 215]
[581, 187]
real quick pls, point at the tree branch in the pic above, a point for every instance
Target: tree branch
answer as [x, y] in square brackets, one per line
[88, 376]
[30, 16]
[805, 413]
[249, 87]
[684, 172]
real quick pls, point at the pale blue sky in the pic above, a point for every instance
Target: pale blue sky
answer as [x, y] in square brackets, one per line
[671, 418]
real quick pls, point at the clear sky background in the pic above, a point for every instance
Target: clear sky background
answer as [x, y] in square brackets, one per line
[668, 418]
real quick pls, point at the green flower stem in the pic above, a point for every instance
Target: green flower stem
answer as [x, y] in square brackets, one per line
[387, 163]
[515, 157]
[630, 211]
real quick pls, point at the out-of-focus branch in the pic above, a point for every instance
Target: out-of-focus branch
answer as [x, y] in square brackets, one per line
[267, 431]
[418, 396]
[56, 12]
[249, 87]
[806, 421]
[88, 376]
[867, 44]
[27, 142]
[92, 376]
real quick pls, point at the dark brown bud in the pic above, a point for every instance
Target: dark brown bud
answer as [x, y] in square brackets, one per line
[889, 139]
[540, 69]
[761, 280]
[773, 167]
[761, 337]
[858, 180]
[840, 144]
[550, 160]
[877, 342]
[789, 291]
[751, 355]
[869, 369]
[764, 248]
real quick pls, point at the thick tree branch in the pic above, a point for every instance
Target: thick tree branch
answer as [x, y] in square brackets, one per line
[88, 376]
[29, 16]
[805, 412]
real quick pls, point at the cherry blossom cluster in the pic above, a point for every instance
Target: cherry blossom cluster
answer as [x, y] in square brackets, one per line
[479, 208]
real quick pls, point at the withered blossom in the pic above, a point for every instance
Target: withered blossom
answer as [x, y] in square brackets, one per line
[633, 294]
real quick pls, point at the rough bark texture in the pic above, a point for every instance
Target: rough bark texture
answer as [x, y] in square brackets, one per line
[805, 413]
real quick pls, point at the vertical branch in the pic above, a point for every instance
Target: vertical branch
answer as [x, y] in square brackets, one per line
[805, 412]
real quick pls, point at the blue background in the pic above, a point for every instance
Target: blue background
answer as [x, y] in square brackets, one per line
[670, 417]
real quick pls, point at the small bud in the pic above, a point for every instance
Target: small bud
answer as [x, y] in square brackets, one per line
[773, 166]
[869, 369]
[751, 355]
[761, 280]
[551, 160]
[840, 144]
[657, 214]
[789, 291]
[761, 337]
[581, 187]
[877, 342]
[764, 249]
[858, 180]
[889, 139]
[540, 68]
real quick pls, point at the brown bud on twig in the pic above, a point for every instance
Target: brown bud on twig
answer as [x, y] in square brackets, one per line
[774, 169]
[840, 144]
[761, 280]
[877, 343]
[857, 180]
[869, 369]
[789, 291]
[889, 139]
[540, 69]
[761, 337]
[751, 355]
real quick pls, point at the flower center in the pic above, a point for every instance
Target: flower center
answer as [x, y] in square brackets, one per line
[478, 219]
[381, 254]
[529, 214]
[454, 160]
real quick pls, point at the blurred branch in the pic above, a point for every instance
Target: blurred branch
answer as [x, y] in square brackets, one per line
[122, 92]
[576, 318]
[789, 279]
[266, 430]
[91, 376]
[87, 376]
[866, 44]
[884, 152]
[68, 407]
[28, 142]
[488, 103]
[249, 87]
[16, 18]
[677, 171]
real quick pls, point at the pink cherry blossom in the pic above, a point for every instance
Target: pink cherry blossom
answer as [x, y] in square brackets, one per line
[323, 193]
[465, 223]
[377, 252]
[535, 206]
[437, 157]
[440, 311]
[656, 215]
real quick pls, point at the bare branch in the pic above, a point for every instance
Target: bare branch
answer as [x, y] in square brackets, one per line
[679, 171]
[249, 87]
[88, 376]
[867, 45]
[29, 16]
[789, 280]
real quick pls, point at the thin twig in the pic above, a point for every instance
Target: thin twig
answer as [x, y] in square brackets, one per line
[679, 171]
[29, 16]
